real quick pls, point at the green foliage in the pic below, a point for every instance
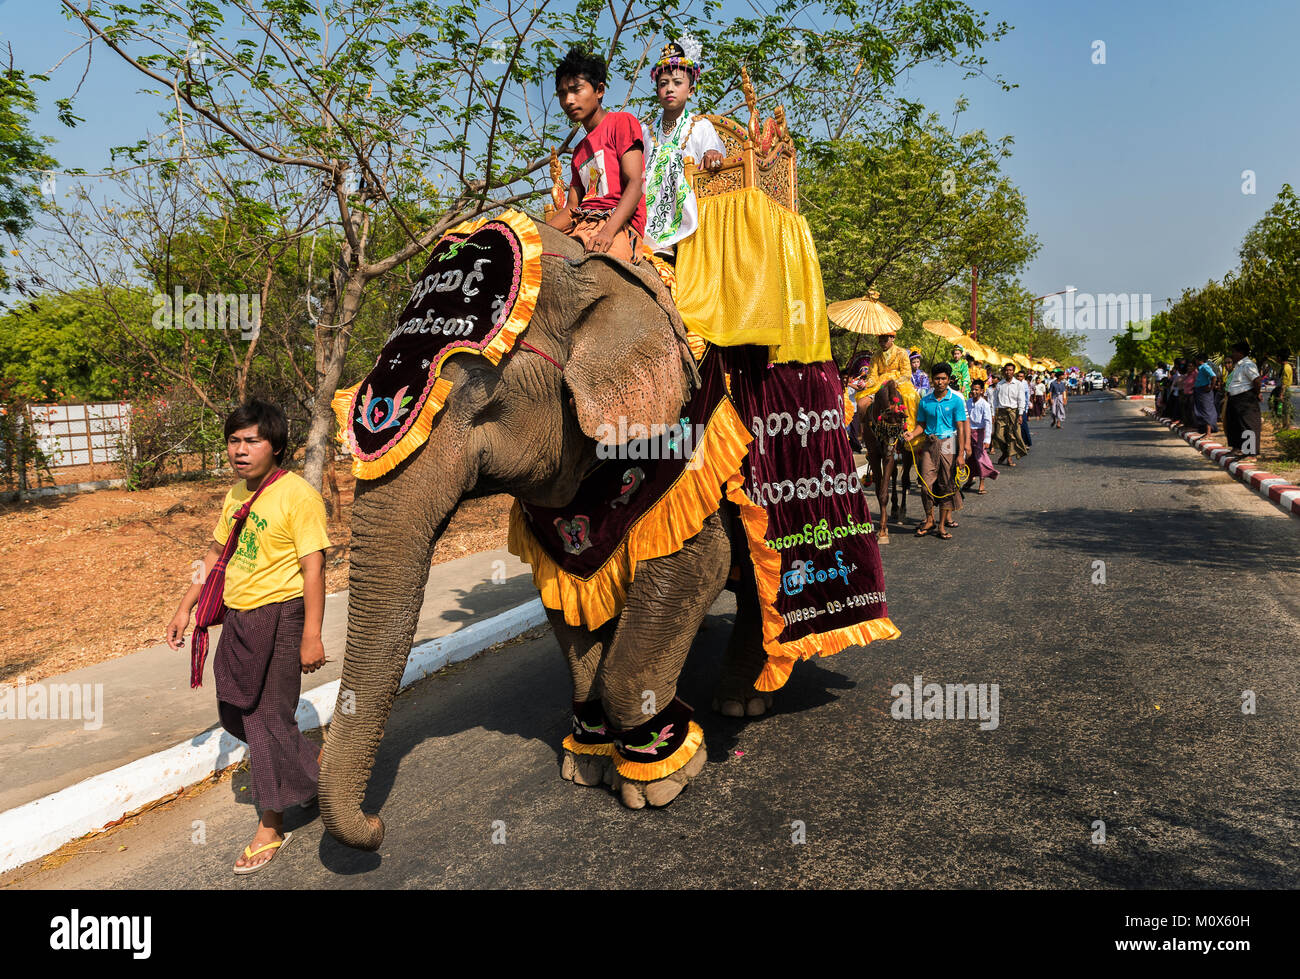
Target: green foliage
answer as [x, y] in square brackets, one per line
[1288, 443]
[907, 216]
[1259, 302]
[22, 157]
[66, 348]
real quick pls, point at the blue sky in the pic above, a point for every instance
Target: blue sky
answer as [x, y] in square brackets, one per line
[1132, 169]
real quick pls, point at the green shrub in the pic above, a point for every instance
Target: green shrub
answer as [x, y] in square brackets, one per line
[1288, 443]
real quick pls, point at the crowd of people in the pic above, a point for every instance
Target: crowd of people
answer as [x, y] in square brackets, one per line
[960, 415]
[1196, 396]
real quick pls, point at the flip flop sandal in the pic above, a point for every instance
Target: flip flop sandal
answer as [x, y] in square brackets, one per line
[249, 853]
[941, 536]
[922, 531]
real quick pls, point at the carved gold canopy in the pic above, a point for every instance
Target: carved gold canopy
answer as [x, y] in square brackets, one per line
[760, 154]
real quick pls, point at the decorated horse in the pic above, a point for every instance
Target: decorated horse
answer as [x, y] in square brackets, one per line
[883, 423]
[660, 447]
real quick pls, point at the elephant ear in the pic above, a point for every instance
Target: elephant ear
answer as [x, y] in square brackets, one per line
[629, 363]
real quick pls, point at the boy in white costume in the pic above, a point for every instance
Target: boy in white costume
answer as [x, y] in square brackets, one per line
[671, 212]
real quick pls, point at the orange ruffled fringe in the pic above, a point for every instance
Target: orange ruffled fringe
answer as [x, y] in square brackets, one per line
[587, 749]
[530, 287]
[648, 771]
[678, 516]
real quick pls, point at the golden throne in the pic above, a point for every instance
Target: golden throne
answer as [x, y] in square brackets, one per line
[760, 154]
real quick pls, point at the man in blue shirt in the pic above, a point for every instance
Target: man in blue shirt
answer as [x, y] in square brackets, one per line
[941, 416]
[1205, 413]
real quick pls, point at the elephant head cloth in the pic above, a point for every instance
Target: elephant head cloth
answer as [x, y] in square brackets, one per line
[476, 295]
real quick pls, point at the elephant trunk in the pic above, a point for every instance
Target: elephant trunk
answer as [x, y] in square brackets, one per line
[396, 522]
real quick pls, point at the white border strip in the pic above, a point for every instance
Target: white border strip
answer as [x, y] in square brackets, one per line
[42, 826]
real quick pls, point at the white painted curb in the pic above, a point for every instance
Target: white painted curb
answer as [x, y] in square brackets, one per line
[42, 826]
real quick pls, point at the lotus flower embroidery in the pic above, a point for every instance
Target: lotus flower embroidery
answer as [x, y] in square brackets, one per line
[377, 414]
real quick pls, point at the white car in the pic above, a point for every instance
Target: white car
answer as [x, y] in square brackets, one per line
[1095, 381]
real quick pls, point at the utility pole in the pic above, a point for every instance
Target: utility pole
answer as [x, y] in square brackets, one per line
[974, 293]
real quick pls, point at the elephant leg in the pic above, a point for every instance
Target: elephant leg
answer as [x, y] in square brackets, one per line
[735, 695]
[658, 748]
[587, 756]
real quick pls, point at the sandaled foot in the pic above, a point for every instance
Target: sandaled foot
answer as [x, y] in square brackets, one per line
[923, 530]
[594, 770]
[660, 792]
[944, 535]
[260, 852]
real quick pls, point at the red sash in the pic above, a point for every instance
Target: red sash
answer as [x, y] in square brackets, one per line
[211, 608]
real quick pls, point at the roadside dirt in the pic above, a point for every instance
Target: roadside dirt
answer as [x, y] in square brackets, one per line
[89, 577]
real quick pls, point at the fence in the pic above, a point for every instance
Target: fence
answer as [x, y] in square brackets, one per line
[81, 434]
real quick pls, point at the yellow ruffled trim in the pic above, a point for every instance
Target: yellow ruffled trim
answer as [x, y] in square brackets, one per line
[648, 771]
[781, 657]
[530, 287]
[677, 517]
[587, 749]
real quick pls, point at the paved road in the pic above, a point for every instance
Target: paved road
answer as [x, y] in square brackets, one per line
[1118, 702]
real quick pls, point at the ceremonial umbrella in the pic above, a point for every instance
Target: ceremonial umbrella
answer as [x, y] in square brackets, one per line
[866, 316]
[1022, 360]
[973, 347]
[942, 328]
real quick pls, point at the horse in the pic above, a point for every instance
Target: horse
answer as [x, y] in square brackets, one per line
[882, 427]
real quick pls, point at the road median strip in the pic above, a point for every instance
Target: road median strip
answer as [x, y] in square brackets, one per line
[42, 826]
[1285, 495]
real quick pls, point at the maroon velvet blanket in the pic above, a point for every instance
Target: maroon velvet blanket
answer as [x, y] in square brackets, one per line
[800, 469]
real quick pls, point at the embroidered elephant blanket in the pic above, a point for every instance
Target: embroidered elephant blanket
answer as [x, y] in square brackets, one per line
[476, 295]
[775, 446]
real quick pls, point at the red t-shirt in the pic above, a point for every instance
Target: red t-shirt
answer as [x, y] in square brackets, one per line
[595, 170]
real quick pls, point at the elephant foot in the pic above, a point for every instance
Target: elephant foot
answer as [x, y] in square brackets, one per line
[756, 704]
[594, 770]
[662, 791]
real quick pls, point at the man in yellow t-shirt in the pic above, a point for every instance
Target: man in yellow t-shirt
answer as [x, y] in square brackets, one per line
[275, 595]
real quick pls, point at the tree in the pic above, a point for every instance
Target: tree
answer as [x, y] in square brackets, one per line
[907, 216]
[22, 158]
[432, 114]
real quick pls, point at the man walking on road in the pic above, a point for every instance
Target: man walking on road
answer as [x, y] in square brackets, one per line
[942, 416]
[274, 593]
[1059, 397]
[1008, 405]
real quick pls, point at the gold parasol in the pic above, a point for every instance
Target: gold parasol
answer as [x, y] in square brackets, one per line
[1022, 361]
[942, 328]
[866, 315]
[973, 347]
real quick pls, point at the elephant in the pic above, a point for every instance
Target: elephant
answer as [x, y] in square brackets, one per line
[606, 342]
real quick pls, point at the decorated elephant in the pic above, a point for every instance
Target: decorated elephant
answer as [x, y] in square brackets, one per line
[542, 388]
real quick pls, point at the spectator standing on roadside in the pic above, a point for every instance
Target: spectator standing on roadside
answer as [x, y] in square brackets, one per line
[1241, 413]
[1205, 415]
[272, 535]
